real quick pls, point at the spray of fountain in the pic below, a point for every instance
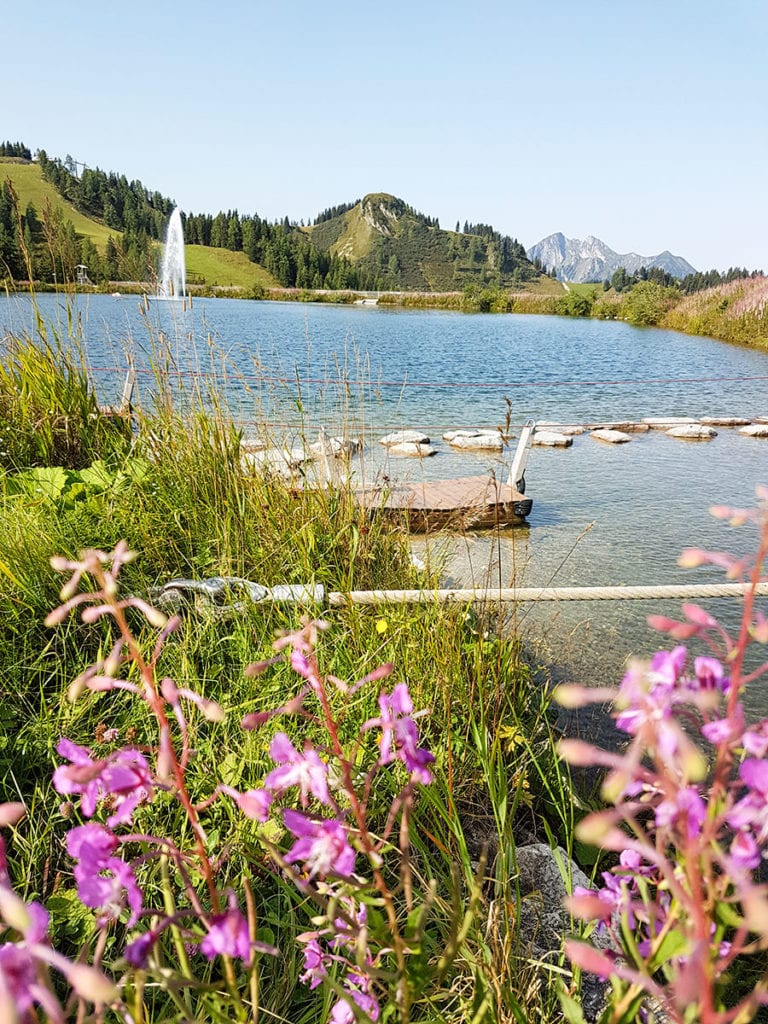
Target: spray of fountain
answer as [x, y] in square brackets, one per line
[173, 275]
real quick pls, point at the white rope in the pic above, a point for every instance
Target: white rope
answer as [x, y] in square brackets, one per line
[514, 594]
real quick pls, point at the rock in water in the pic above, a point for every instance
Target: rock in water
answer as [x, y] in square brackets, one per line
[611, 436]
[692, 432]
[404, 437]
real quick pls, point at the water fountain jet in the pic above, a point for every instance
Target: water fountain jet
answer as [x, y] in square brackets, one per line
[173, 275]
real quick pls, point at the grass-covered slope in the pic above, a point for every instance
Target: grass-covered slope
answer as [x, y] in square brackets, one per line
[30, 187]
[385, 236]
[206, 265]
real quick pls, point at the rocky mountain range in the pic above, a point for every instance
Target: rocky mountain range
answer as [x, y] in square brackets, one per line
[592, 260]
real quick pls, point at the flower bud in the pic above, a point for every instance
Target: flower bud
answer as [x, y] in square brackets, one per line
[91, 984]
[13, 910]
[10, 813]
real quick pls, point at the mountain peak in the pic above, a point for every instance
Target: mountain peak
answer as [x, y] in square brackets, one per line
[591, 259]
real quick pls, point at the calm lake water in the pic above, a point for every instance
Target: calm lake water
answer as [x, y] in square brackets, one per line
[601, 514]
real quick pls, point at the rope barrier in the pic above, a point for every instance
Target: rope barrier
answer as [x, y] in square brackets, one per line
[243, 378]
[519, 594]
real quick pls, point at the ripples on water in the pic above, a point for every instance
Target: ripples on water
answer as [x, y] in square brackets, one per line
[601, 515]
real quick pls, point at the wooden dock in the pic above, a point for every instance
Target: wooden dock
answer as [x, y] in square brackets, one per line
[468, 502]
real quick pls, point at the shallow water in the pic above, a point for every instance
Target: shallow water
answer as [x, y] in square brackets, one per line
[601, 515]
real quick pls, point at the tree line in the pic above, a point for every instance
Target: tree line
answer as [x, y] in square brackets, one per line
[17, 150]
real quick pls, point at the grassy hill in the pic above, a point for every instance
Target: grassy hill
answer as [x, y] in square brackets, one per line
[207, 265]
[224, 268]
[385, 236]
[30, 187]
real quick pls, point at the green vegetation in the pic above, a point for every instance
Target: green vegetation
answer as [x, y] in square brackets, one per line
[406, 250]
[181, 495]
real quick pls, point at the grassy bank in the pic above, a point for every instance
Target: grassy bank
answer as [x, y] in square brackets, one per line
[182, 497]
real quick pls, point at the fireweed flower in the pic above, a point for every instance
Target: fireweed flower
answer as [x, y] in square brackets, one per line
[686, 812]
[122, 776]
[358, 989]
[399, 731]
[305, 770]
[322, 846]
[315, 964]
[228, 935]
[104, 883]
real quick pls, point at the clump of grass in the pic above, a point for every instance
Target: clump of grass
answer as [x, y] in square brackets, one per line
[49, 413]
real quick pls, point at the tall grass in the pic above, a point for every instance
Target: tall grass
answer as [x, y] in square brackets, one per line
[49, 414]
[180, 493]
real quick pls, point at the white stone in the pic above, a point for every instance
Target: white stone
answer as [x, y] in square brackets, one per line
[755, 430]
[610, 436]
[667, 422]
[692, 432]
[451, 435]
[282, 462]
[725, 421]
[569, 429]
[625, 426]
[549, 439]
[412, 449]
[404, 437]
[479, 442]
[337, 447]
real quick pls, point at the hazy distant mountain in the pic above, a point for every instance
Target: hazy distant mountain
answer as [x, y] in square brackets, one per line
[592, 260]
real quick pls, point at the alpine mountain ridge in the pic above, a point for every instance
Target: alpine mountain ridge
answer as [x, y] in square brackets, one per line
[591, 259]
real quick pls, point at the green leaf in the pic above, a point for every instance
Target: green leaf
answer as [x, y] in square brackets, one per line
[571, 1009]
[43, 481]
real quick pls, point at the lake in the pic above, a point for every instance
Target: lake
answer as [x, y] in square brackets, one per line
[601, 514]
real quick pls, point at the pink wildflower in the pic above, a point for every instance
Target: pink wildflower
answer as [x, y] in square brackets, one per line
[123, 776]
[228, 935]
[322, 846]
[400, 731]
[104, 882]
[305, 770]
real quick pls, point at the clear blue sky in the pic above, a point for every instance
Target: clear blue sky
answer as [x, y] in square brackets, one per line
[642, 123]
